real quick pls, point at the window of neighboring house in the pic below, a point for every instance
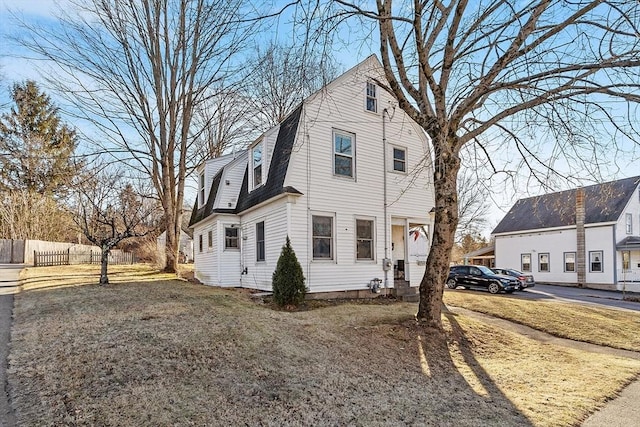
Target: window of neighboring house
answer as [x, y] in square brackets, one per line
[543, 262]
[201, 189]
[595, 262]
[364, 239]
[260, 248]
[372, 99]
[629, 223]
[210, 238]
[322, 237]
[343, 153]
[399, 160]
[231, 240]
[569, 262]
[200, 242]
[626, 260]
[256, 160]
[525, 262]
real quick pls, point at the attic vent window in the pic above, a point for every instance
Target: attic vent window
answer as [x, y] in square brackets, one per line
[372, 100]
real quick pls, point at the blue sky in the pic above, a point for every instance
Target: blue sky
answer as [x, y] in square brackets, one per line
[13, 69]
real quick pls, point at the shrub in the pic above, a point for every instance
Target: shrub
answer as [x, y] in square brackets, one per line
[288, 280]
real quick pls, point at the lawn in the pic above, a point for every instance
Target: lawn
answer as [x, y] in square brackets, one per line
[150, 350]
[609, 327]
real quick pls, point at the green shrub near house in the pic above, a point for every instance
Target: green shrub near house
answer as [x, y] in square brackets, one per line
[288, 280]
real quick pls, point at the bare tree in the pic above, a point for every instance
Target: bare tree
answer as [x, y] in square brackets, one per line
[473, 206]
[281, 77]
[138, 70]
[533, 79]
[110, 211]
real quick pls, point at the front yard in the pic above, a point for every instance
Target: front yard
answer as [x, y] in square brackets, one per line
[152, 350]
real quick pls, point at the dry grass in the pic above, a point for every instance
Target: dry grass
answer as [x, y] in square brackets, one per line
[164, 352]
[602, 326]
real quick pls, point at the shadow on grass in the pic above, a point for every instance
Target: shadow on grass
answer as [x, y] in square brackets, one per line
[472, 394]
[93, 278]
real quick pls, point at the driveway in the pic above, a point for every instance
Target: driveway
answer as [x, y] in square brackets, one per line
[581, 295]
[9, 281]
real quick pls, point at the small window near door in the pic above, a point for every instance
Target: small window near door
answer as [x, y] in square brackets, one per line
[364, 239]
[543, 262]
[231, 238]
[569, 262]
[260, 249]
[399, 160]
[525, 262]
[595, 262]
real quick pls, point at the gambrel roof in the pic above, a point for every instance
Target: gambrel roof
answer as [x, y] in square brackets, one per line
[603, 203]
[274, 184]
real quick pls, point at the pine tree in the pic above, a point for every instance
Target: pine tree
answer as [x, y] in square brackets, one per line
[36, 148]
[288, 279]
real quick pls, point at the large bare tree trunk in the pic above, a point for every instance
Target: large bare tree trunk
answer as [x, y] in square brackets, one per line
[445, 178]
[104, 263]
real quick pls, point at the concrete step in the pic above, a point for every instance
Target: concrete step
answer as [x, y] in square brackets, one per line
[410, 298]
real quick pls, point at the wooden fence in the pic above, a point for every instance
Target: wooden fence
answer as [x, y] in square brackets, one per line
[50, 258]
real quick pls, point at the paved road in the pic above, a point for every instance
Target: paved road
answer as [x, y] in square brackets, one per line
[569, 293]
[8, 286]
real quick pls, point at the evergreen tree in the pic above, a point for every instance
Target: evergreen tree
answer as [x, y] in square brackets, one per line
[36, 148]
[288, 280]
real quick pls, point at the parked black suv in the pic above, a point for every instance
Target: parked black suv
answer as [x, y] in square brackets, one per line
[478, 276]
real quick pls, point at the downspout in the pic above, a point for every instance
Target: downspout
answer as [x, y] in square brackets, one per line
[385, 261]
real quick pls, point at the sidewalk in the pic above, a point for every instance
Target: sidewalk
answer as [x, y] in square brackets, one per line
[9, 282]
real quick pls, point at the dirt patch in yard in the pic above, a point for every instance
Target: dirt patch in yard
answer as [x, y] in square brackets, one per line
[167, 352]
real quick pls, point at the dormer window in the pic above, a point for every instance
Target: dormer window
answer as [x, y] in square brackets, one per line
[256, 164]
[201, 189]
[372, 99]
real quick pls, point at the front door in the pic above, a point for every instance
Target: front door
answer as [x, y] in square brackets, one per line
[398, 251]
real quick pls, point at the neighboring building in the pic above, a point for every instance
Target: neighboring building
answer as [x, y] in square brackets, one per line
[185, 247]
[587, 237]
[484, 256]
[319, 178]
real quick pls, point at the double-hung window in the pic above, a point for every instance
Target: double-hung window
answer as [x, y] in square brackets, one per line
[343, 153]
[201, 190]
[256, 164]
[399, 159]
[543, 262]
[372, 99]
[595, 262]
[260, 248]
[364, 240]
[569, 262]
[322, 237]
[525, 262]
[231, 240]
[629, 223]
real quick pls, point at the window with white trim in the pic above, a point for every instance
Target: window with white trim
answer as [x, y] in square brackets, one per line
[543, 262]
[343, 153]
[322, 237]
[231, 238]
[525, 262]
[372, 99]
[629, 223]
[201, 189]
[569, 262]
[595, 262]
[210, 238]
[260, 246]
[364, 240]
[399, 159]
[626, 260]
[256, 164]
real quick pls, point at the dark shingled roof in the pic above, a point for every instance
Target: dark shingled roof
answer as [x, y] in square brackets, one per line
[274, 184]
[277, 169]
[603, 203]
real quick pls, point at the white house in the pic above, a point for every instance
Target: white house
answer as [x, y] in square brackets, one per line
[587, 237]
[346, 176]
